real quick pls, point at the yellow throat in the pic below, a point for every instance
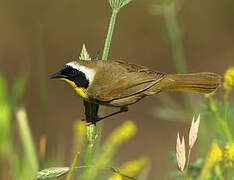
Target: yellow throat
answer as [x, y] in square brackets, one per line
[79, 90]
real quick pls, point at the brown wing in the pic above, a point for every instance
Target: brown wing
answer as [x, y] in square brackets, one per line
[119, 79]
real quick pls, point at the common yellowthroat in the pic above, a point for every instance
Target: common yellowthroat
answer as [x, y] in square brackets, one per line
[119, 83]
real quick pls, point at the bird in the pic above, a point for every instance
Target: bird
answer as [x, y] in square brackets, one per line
[118, 83]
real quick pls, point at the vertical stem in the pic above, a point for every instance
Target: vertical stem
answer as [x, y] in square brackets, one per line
[91, 110]
[109, 35]
[91, 132]
[181, 176]
[177, 45]
[176, 40]
[73, 166]
[187, 166]
[174, 33]
[27, 141]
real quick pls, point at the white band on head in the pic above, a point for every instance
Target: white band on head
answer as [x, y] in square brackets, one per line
[89, 73]
[73, 64]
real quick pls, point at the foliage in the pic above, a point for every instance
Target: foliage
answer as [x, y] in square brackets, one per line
[105, 156]
[215, 157]
[22, 165]
[216, 131]
[93, 165]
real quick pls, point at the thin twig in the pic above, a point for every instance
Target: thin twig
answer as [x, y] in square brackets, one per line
[73, 166]
[187, 165]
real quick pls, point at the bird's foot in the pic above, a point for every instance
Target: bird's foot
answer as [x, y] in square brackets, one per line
[93, 120]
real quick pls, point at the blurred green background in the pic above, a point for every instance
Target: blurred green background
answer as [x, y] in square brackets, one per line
[39, 37]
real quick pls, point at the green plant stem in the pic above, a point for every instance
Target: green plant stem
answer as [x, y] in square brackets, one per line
[91, 132]
[109, 35]
[174, 33]
[177, 45]
[73, 166]
[181, 175]
[187, 166]
[91, 110]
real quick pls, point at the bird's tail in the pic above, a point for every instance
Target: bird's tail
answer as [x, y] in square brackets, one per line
[196, 82]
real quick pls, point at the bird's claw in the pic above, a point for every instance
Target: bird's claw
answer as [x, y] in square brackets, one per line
[91, 120]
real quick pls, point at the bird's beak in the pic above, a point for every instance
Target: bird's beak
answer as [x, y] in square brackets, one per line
[57, 76]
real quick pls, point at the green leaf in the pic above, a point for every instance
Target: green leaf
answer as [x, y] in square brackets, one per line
[5, 128]
[173, 157]
[124, 3]
[56, 172]
[174, 173]
[5, 118]
[84, 55]
[53, 172]
[197, 164]
[96, 56]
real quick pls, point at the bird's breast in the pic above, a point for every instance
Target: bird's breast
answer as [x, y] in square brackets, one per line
[79, 90]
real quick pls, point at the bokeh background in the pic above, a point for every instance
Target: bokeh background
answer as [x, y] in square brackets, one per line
[39, 37]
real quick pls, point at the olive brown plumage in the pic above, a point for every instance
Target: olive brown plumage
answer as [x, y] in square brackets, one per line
[120, 84]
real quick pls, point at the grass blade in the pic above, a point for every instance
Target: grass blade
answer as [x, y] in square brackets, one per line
[73, 166]
[26, 138]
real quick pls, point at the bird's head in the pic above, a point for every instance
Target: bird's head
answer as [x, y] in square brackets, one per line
[77, 75]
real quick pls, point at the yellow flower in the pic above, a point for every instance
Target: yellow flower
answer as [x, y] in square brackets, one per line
[131, 168]
[213, 157]
[115, 177]
[229, 155]
[80, 131]
[80, 127]
[120, 135]
[123, 133]
[229, 79]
